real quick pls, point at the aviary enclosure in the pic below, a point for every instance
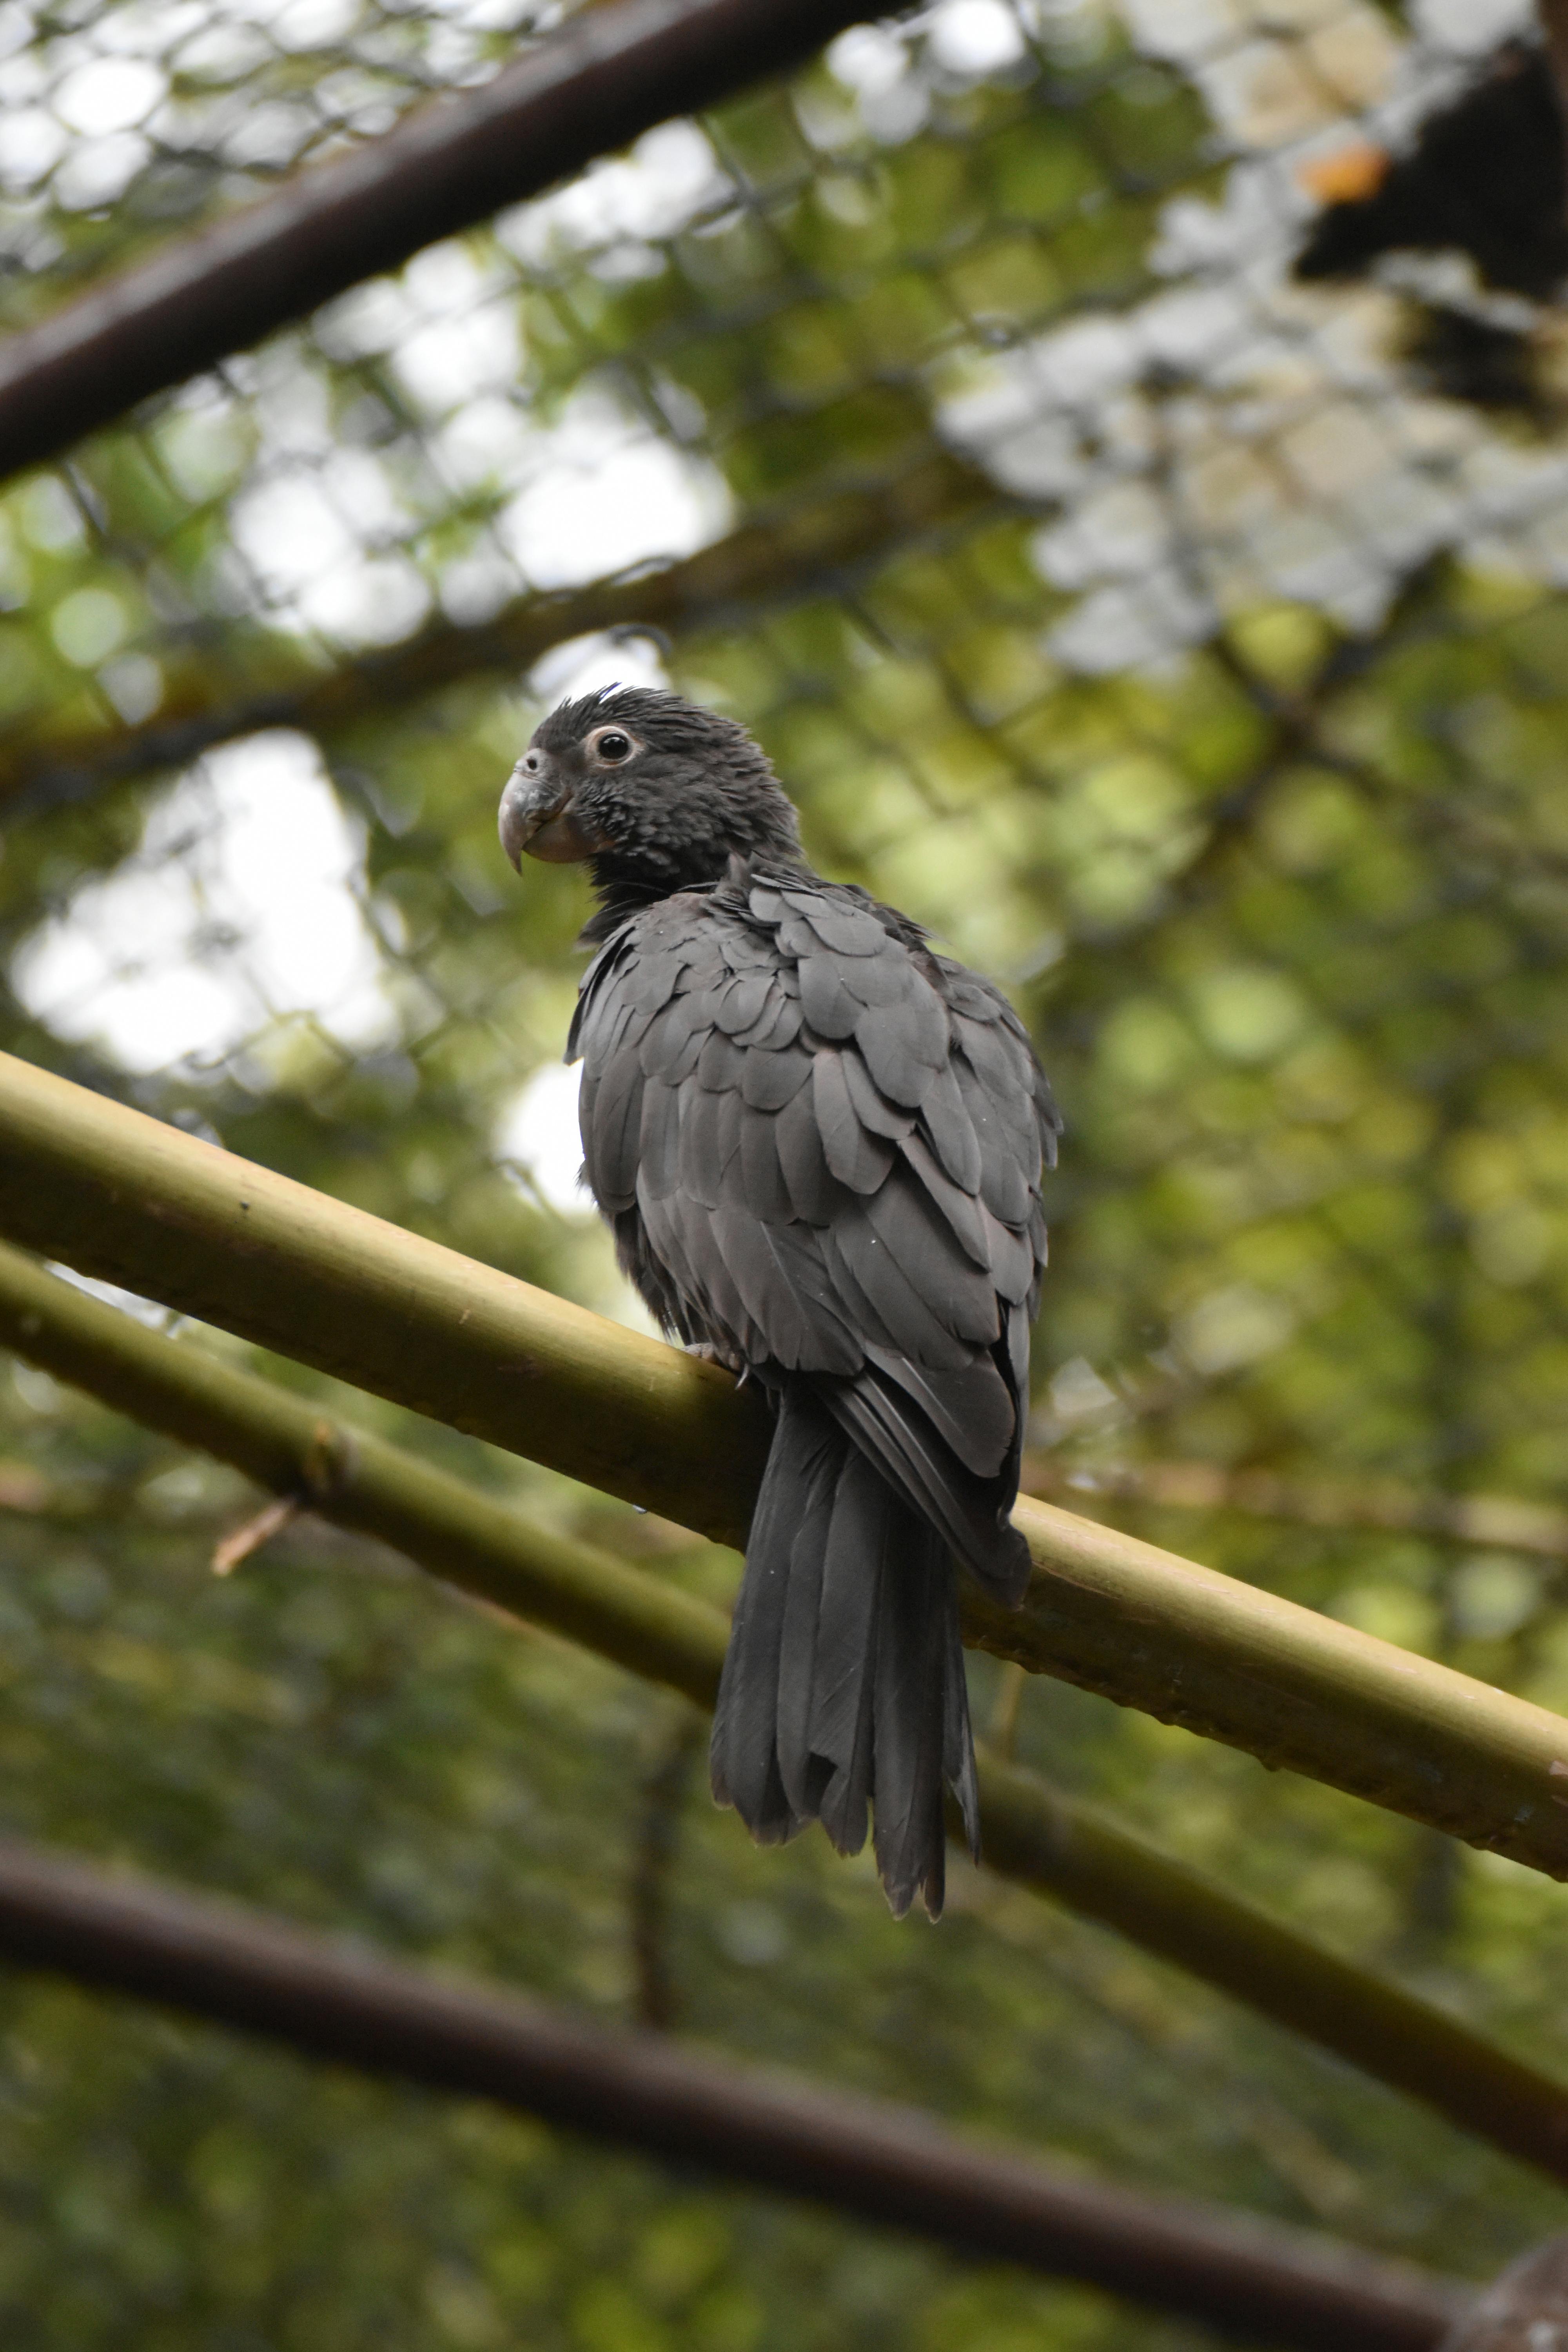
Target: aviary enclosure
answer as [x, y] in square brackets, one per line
[1115, 454]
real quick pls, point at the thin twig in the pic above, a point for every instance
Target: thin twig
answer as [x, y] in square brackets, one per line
[259, 1529]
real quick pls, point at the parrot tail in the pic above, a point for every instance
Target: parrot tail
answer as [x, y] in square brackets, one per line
[843, 1686]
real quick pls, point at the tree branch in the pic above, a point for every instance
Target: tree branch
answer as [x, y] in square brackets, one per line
[607, 76]
[770, 560]
[1046, 1841]
[104, 1188]
[880, 2162]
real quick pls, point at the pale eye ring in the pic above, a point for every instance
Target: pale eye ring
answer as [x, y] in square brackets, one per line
[613, 746]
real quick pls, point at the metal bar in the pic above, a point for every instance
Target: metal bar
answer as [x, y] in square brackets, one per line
[610, 75]
[1031, 1832]
[113, 1193]
[878, 2161]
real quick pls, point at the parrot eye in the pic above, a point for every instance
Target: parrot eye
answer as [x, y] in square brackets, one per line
[611, 746]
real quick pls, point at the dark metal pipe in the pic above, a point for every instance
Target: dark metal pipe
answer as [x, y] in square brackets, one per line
[611, 74]
[867, 2158]
[1525, 2310]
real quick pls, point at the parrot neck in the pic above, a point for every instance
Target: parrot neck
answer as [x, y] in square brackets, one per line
[623, 882]
[624, 886]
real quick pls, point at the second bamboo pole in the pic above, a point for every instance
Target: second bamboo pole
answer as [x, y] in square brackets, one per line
[1031, 1833]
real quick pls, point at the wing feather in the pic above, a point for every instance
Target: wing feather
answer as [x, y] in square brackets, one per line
[772, 1076]
[700, 1165]
[764, 1288]
[1001, 1060]
[766, 1194]
[897, 1305]
[857, 1157]
[610, 1122]
[848, 929]
[778, 1022]
[649, 979]
[609, 1020]
[964, 1216]
[922, 1247]
[824, 999]
[1004, 1184]
[658, 1142]
[905, 1043]
[944, 1116]
[871, 1108]
[876, 1232]
[879, 979]
[1014, 1269]
[720, 1064]
[812, 1190]
[672, 1042]
[972, 1408]
[681, 1231]
[743, 1001]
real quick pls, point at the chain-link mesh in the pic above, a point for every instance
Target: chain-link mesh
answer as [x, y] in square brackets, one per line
[1177, 637]
[125, 123]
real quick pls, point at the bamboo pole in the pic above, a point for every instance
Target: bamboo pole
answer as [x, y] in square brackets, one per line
[1031, 1833]
[113, 1193]
[883, 2163]
[289, 1446]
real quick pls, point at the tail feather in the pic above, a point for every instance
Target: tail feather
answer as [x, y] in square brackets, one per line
[843, 1687]
[855, 1571]
[744, 1760]
[910, 1712]
[973, 1513]
[799, 1637]
[957, 1738]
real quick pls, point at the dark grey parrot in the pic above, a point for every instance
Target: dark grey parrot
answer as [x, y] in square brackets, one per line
[818, 1144]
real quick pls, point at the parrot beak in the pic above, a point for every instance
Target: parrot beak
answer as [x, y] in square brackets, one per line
[537, 815]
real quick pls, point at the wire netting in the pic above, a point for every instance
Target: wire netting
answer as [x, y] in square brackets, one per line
[1182, 640]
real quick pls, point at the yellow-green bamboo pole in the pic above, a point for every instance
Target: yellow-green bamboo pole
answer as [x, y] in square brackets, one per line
[116, 1194]
[1031, 1833]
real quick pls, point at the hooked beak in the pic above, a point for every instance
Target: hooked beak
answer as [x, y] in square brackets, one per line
[537, 815]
